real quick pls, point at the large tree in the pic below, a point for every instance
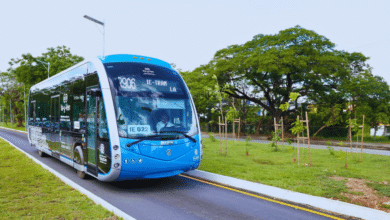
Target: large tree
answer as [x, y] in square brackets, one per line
[270, 67]
[12, 96]
[371, 97]
[30, 71]
[27, 71]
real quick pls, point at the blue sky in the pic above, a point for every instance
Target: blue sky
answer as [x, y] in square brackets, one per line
[188, 33]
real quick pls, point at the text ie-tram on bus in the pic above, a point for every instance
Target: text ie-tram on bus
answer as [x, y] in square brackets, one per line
[117, 118]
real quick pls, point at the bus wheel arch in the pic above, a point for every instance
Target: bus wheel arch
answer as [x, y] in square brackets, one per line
[78, 157]
[41, 153]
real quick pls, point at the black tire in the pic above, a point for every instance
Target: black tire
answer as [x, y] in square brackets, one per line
[81, 174]
[41, 154]
[78, 152]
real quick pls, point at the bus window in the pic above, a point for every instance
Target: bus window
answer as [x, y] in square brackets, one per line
[78, 104]
[31, 120]
[65, 107]
[102, 120]
[149, 100]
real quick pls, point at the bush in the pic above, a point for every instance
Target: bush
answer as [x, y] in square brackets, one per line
[275, 139]
[330, 148]
[248, 140]
[211, 136]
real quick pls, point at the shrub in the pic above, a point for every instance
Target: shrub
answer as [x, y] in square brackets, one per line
[248, 140]
[211, 136]
[275, 138]
[330, 147]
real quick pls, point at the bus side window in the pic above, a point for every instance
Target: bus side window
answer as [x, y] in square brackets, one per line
[31, 120]
[66, 99]
[102, 120]
[78, 113]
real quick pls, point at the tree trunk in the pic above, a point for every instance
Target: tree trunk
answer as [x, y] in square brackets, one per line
[244, 116]
[319, 130]
[258, 126]
[20, 121]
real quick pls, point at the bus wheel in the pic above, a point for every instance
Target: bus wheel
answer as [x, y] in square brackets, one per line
[79, 158]
[41, 154]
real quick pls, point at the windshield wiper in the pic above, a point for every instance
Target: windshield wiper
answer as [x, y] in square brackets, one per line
[141, 139]
[179, 132]
[147, 109]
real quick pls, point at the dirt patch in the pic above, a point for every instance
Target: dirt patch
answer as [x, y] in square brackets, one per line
[338, 178]
[363, 195]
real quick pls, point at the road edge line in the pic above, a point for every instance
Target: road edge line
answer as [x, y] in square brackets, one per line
[291, 196]
[11, 129]
[76, 186]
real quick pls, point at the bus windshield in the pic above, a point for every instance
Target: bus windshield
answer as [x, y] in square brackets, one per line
[149, 100]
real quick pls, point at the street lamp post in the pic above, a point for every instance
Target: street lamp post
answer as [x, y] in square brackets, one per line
[98, 22]
[25, 110]
[10, 112]
[48, 65]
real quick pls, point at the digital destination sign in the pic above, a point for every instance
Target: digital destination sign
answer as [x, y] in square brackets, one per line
[138, 84]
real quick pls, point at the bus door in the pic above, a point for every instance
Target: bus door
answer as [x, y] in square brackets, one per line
[92, 117]
[54, 130]
[98, 145]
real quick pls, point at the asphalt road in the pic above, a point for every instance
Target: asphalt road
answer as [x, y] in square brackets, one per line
[170, 198]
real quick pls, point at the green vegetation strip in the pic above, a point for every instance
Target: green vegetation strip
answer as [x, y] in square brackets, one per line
[29, 191]
[14, 126]
[277, 168]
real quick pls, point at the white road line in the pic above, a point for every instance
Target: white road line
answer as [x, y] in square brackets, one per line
[76, 186]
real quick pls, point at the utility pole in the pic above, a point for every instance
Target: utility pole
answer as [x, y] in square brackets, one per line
[25, 110]
[10, 112]
[104, 31]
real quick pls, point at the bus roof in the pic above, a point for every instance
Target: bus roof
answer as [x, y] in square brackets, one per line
[117, 58]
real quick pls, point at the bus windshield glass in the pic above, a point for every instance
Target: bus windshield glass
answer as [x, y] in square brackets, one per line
[150, 100]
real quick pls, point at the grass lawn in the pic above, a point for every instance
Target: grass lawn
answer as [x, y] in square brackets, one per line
[14, 126]
[264, 165]
[28, 191]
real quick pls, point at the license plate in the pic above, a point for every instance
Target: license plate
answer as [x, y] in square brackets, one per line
[138, 129]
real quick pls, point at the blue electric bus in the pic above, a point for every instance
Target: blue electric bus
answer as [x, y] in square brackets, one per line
[116, 118]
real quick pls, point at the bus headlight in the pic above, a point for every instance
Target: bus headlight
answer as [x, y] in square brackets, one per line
[116, 165]
[117, 156]
[115, 147]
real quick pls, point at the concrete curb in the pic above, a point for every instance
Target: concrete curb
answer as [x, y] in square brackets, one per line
[74, 185]
[304, 199]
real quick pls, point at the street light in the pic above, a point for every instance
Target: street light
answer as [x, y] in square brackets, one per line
[48, 69]
[98, 22]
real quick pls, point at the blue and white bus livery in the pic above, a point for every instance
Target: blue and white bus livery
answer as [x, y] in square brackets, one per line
[118, 118]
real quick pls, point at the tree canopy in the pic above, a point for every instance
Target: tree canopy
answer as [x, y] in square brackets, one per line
[27, 71]
[270, 67]
[370, 96]
[30, 71]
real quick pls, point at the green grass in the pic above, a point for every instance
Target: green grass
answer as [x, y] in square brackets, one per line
[28, 191]
[14, 126]
[383, 190]
[263, 165]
